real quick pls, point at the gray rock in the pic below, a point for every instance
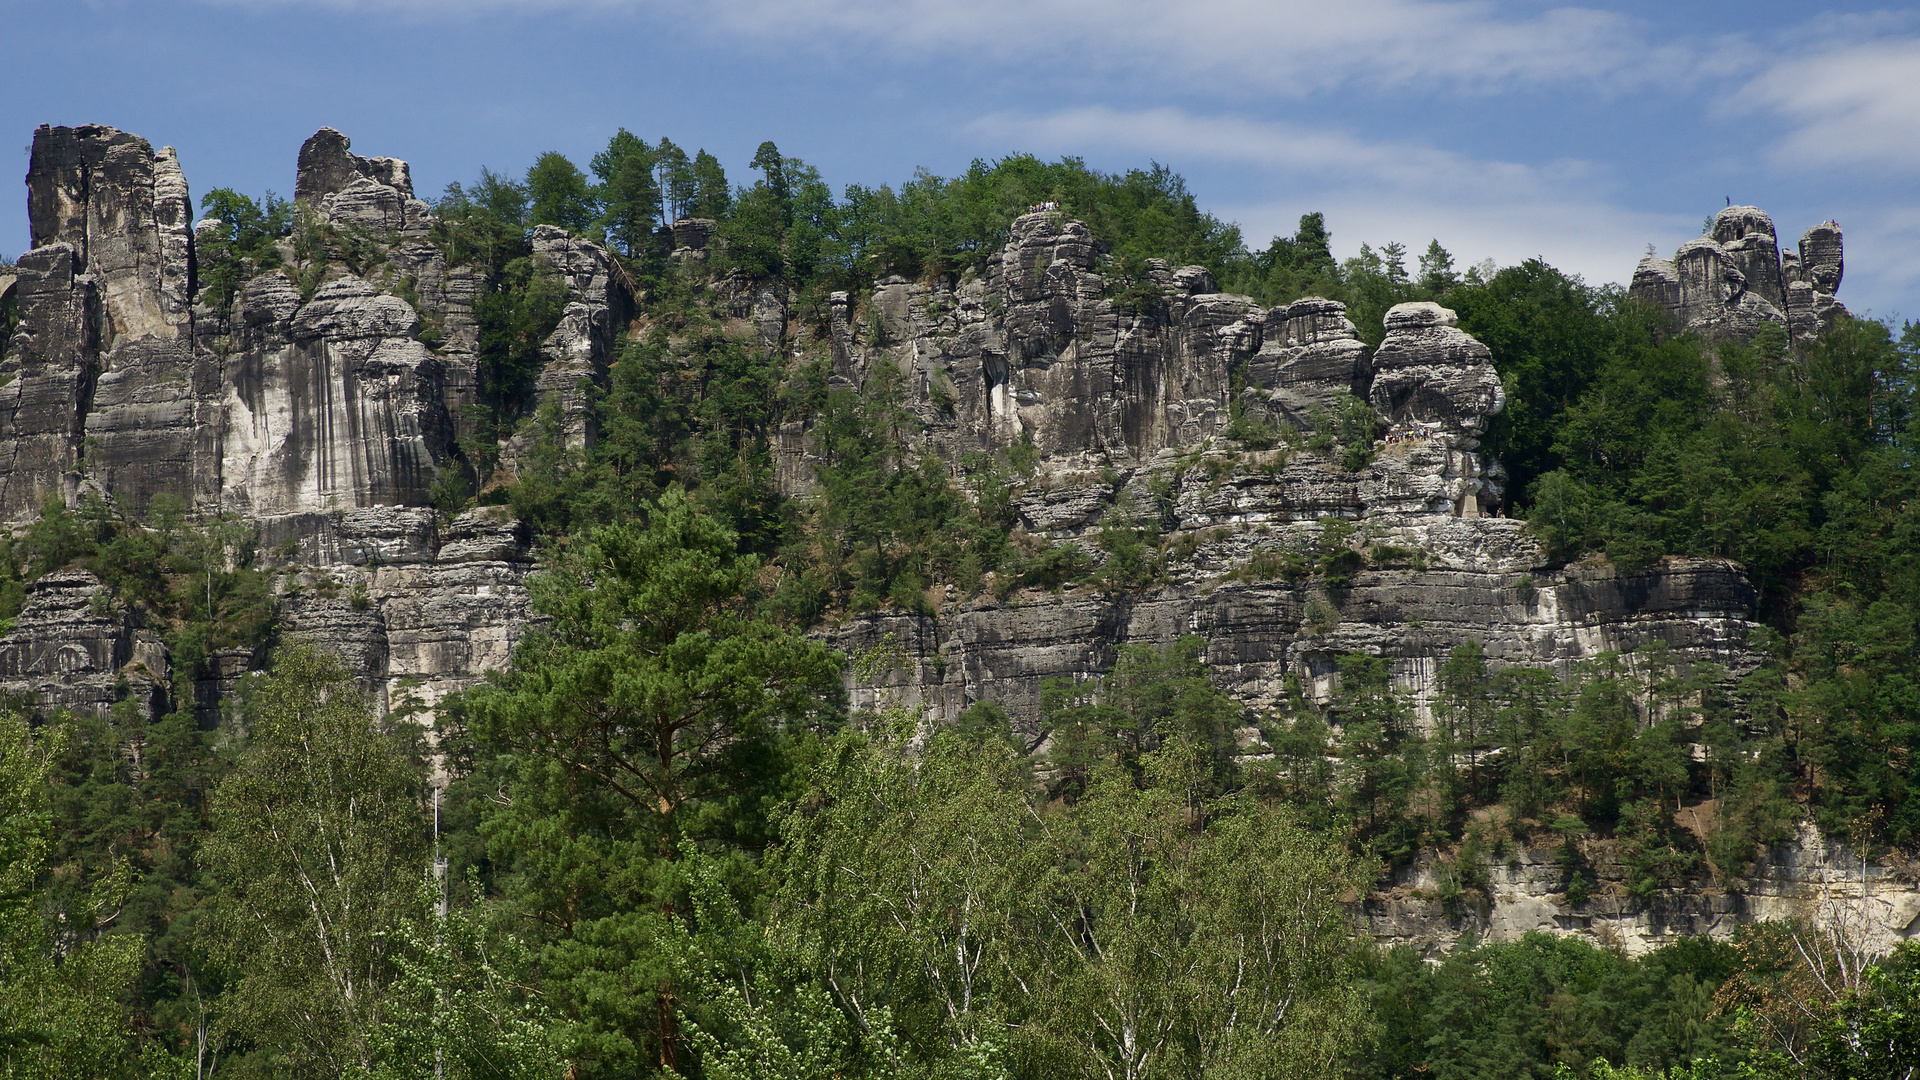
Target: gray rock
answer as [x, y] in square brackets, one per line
[1524, 895]
[74, 647]
[325, 420]
[1657, 281]
[154, 425]
[691, 234]
[1436, 386]
[46, 379]
[1735, 281]
[580, 349]
[349, 413]
[1822, 254]
[1260, 633]
[327, 166]
[1746, 234]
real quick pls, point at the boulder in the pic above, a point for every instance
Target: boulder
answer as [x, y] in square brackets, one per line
[1310, 359]
[327, 165]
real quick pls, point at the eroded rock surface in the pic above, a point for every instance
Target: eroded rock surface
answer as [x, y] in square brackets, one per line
[326, 402]
[1735, 280]
[322, 406]
[1810, 879]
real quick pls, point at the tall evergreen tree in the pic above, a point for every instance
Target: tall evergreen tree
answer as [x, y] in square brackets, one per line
[677, 183]
[558, 194]
[655, 706]
[711, 197]
[628, 194]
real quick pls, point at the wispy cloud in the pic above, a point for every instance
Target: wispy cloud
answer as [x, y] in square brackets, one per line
[1289, 47]
[1851, 103]
[1294, 149]
[1378, 190]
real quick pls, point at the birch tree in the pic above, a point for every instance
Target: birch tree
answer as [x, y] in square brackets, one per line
[318, 839]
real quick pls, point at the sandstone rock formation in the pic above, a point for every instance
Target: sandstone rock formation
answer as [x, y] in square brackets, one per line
[321, 414]
[324, 404]
[1735, 280]
[317, 408]
[1310, 357]
[1811, 879]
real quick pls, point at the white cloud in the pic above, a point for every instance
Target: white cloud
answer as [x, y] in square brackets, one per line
[1883, 260]
[1852, 103]
[1377, 191]
[1225, 47]
[1292, 148]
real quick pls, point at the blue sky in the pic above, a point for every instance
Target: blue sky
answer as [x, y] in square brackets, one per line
[1505, 130]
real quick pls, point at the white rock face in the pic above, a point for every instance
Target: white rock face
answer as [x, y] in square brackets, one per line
[1808, 879]
[344, 411]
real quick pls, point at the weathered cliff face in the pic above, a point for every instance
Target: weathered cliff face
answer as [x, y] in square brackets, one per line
[330, 404]
[105, 304]
[320, 413]
[1476, 580]
[1876, 904]
[325, 403]
[1735, 280]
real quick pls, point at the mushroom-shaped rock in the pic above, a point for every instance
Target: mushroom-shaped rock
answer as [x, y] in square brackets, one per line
[1429, 372]
[1310, 358]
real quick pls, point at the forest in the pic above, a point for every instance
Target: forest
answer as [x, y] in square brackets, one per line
[664, 844]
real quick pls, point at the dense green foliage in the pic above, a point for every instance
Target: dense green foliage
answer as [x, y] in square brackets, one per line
[60, 981]
[243, 245]
[1542, 1004]
[657, 707]
[669, 847]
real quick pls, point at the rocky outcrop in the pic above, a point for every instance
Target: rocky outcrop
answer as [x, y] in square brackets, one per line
[579, 349]
[1874, 903]
[303, 399]
[321, 407]
[1310, 359]
[105, 301]
[74, 646]
[1733, 281]
[328, 166]
[1434, 582]
[1036, 350]
[323, 404]
[333, 404]
[419, 609]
